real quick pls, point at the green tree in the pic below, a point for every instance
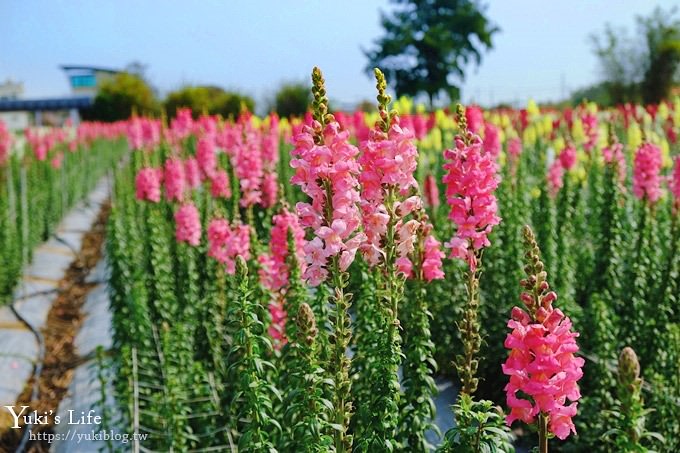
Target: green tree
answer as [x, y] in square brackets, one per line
[120, 96]
[641, 69]
[429, 43]
[620, 64]
[662, 35]
[292, 99]
[207, 99]
[231, 104]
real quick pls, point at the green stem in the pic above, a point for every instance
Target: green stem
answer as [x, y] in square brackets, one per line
[341, 412]
[467, 367]
[542, 433]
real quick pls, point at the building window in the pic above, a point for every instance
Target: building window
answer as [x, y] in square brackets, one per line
[83, 81]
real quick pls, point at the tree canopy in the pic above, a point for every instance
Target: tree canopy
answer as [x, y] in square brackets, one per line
[428, 45]
[292, 99]
[643, 68]
[207, 99]
[120, 96]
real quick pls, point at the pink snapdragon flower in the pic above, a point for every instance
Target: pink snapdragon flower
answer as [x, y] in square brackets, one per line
[148, 184]
[5, 143]
[514, 147]
[567, 157]
[591, 129]
[613, 155]
[246, 158]
[329, 167]
[174, 180]
[206, 157]
[226, 243]
[276, 329]
[474, 117]
[492, 140]
[647, 173]
[388, 161]
[192, 173]
[270, 190]
[57, 160]
[188, 225]
[431, 191]
[134, 133]
[432, 259]
[275, 276]
[471, 180]
[542, 365]
[182, 124]
[219, 185]
[270, 158]
[555, 177]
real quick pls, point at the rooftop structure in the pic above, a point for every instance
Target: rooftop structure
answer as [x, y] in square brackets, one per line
[85, 80]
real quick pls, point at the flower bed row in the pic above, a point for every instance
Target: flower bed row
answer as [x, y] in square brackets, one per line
[249, 257]
[43, 173]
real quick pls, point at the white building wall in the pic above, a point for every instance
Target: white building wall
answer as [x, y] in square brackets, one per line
[15, 120]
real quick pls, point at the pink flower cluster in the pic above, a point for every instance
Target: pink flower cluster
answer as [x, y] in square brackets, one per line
[567, 157]
[182, 124]
[613, 155]
[432, 259]
[5, 143]
[192, 172]
[274, 272]
[270, 157]
[174, 180]
[431, 190]
[591, 129]
[566, 160]
[226, 243]
[555, 177]
[542, 365]
[219, 184]
[388, 161]
[206, 157]
[471, 180]
[188, 225]
[247, 162]
[475, 118]
[330, 168]
[42, 142]
[148, 184]
[276, 329]
[492, 140]
[514, 148]
[647, 173]
[143, 133]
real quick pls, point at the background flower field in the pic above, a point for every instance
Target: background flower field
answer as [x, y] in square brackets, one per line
[296, 284]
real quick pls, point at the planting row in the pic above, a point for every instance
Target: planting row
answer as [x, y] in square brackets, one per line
[42, 174]
[296, 285]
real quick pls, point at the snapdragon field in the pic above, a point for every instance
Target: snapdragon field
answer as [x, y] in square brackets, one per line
[298, 284]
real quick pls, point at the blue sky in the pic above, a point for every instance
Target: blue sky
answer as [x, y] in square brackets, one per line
[253, 45]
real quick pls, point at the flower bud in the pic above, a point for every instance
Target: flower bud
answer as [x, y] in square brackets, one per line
[629, 366]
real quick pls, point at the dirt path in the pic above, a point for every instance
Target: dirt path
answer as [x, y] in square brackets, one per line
[63, 323]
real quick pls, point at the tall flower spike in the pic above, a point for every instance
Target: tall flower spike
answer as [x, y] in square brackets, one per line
[326, 169]
[541, 364]
[389, 159]
[320, 103]
[471, 180]
[647, 173]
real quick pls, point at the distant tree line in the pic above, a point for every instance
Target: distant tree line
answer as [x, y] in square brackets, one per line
[641, 68]
[129, 92]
